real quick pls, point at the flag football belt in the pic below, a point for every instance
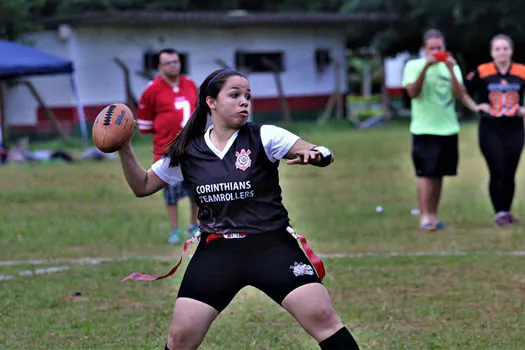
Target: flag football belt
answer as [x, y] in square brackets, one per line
[314, 259]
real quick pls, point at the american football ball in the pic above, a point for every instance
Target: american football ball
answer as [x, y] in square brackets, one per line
[113, 127]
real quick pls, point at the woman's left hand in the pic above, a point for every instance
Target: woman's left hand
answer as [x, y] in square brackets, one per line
[304, 157]
[451, 62]
[521, 111]
[485, 107]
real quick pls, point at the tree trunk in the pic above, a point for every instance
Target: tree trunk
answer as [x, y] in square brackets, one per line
[278, 83]
[49, 113]
[338, 91]
[3, 109]
[131, 101]
[385, 98]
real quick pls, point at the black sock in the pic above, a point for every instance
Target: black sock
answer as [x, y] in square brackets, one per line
[340, 340]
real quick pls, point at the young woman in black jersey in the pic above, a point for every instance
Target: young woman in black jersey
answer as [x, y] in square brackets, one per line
[232, 169]
[499, 86]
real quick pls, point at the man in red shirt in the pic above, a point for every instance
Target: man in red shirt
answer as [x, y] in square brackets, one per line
[165, 107]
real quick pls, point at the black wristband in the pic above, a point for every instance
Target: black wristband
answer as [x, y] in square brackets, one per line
[326, 156]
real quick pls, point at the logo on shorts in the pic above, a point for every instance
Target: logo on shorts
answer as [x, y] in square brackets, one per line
[243, 161]
[300, 269]
[234, 235]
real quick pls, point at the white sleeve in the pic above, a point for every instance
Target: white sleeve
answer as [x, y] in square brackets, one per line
[277, 141]
[170, 175]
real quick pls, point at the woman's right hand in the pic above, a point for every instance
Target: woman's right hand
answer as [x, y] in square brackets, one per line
[126, 146]
[485, 108]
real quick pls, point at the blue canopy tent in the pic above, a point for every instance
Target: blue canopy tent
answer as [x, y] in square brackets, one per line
[17, 60]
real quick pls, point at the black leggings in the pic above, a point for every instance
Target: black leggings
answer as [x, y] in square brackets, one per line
[501, 142]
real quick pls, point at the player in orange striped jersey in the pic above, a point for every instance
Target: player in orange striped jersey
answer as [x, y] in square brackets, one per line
[499, 86]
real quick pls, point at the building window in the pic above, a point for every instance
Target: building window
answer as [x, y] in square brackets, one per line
[323, 59]
[151, 61]
[259, 62]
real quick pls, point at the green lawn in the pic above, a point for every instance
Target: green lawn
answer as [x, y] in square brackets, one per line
[470, 301]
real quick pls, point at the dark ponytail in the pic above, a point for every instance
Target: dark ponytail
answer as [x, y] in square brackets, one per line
[194, 127]
[211, 86]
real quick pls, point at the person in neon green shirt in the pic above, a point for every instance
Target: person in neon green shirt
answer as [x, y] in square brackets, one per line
[433, 88]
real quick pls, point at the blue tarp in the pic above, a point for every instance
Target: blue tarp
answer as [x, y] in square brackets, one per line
[20, 60]
[17, 60]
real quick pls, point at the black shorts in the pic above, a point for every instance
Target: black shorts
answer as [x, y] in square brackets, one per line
[271, 262]
[174, 193]
[434, 155]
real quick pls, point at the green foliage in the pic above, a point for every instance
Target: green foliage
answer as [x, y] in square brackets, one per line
[356, 99]
[20, 16]
[16, 17]
[356, 64]
[368, 113]
[467, 24]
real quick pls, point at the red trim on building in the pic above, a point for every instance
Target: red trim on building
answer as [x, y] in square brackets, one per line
[395, 92]
[68, 118]
[296, 103]
[69, 113]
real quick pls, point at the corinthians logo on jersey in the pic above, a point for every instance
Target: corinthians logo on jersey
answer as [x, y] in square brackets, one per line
[243, 161]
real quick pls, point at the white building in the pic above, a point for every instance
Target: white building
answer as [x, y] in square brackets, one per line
[303, 46]
[394, 72]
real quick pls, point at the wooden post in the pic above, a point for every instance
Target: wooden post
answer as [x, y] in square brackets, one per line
[339, 96]
[327, 110]
[278, 83]
[367, 77]
[348, 82]
[221, 63]
[47, 111]
[3, 112]
[385, 98]
[131, 101]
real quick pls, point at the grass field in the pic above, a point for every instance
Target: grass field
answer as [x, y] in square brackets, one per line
[461, 294]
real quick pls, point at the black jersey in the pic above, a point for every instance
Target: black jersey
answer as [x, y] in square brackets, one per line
[504, 92]
[237, 190]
